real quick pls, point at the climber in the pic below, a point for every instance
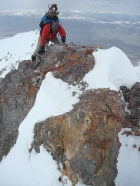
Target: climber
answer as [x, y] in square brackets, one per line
[49, 31]
[50, 16]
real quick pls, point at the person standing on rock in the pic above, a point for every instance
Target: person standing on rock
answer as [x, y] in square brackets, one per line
[49, 32]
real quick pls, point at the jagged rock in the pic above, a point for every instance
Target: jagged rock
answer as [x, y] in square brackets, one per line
[71, 63]
[127, 122]
[17, 96]
[132, 96]
[127, 133]
[85, 140]
[126, 93]
[135, 128]
[137, 133]
[19, 88]
[135, 104]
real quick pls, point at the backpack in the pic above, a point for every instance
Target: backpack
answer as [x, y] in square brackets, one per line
[49, 17]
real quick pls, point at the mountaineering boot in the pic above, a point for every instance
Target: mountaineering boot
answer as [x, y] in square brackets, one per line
[33, 57]
[41, 50]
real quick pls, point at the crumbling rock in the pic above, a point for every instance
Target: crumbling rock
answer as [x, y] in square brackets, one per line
[17, 96]
[71, 62]
[85, 140]
[132, 97]
[19, 87]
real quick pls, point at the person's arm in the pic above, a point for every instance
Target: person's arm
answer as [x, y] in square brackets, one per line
[44, 35]
[62, 34]
[62, 31]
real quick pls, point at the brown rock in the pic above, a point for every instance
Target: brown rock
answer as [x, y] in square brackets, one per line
[134, 146]
[127, 133]
[137, 133]
[135, 128]
[85, 140]
[89, 51]
[132, 96]
[19, 88]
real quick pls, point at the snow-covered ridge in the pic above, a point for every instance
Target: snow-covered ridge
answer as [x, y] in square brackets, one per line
[118, 18]
[104, 12]
[23, 12]
[90, 20]
[40, 169]
[11, 55]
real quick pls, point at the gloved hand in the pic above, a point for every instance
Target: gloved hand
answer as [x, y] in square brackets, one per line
[41, 50]
[63, 39]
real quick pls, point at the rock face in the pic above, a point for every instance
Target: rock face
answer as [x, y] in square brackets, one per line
[132, 98]
[17, 96]
[85, 140]
[19, 88]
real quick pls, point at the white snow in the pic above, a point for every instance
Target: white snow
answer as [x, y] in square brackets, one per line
[15, 49]
[112, 69]
[128, 161]
[137, 70]
[54, 98]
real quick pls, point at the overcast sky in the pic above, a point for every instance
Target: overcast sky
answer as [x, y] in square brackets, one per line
[82, 5]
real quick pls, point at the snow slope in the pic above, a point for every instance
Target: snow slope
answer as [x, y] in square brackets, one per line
[137, 70]
[112, 69]
[15, 49]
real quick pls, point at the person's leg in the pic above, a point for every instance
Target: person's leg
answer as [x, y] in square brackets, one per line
[56, 41]
[37, 47]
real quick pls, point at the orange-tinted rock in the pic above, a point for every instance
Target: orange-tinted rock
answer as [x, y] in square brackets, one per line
[127, 133]
[85, 140]
[19, 87]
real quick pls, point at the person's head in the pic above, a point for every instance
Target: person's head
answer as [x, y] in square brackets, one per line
[55, 27]
[53, 10]
[53, 6]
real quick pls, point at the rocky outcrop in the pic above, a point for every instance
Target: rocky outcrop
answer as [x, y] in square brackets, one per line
[132, 98]
[85, 140]
[69, 63]
[17, 95]
[19, 88]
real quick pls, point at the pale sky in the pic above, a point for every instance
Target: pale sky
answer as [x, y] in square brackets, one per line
[67, 5]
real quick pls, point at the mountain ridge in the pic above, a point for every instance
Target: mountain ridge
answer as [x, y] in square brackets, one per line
[105, 29]
[75, 77]
[70, 64]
